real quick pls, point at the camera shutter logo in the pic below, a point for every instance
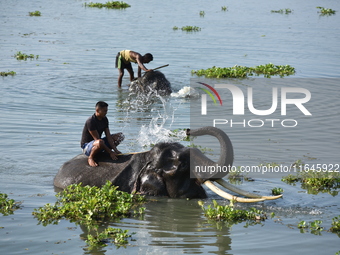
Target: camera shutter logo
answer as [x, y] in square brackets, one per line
[204, 97]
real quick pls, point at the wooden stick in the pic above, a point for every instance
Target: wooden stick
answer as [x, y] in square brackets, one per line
[159, 67]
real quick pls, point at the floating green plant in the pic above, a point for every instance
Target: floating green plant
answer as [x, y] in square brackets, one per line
[236, 71]
[109, 5]
[313, 226]
[116, 236]
[283, 11]
[8, 206]
[325, 11]
[8, 73]
[314, 179]
[201, 148]
[237, 176]
[180, 133]
[202, 13]
[89, 204]
[188, 28]
[230, 215]
[336, 225]
[224, 8]
[36, 13]
[277, 191]
[22, 56]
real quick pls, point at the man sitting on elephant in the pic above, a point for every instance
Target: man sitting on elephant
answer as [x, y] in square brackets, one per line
[124, 59]
[91, 141]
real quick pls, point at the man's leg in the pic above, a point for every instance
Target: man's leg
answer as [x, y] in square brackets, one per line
[130, 70]
[98, 146]
[120, 77]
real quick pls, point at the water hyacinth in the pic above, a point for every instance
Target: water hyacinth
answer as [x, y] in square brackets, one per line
[109, 5]
[22, 56]
[188, 28]
[237, 71]
[326, 11]
[8, 206]
[230, 214]
[89, 204]
[283, 11]
[8, 73]
[115, 236]
[315, 181]
[36, 13]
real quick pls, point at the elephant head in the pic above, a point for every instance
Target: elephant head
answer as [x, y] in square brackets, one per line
[153, 81]
[168, 169]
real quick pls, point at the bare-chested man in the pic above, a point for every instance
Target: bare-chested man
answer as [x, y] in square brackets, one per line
[124, 59]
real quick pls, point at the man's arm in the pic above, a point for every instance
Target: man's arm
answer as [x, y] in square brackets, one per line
[110, 141]
[141, 66]
[94, 134]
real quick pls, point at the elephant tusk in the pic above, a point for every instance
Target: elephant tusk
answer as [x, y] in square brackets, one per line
[230, 197]
[228, 186]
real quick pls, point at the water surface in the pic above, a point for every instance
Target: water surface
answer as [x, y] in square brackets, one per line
[44, 106]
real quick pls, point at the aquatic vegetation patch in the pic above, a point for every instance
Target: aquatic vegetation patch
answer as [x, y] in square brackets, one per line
[283, 11]
[336, 225]
[85, 204]
[8, 206]
[110, 235]
[8, 73]
[36, 13]
[22, 56]
[181, 134]
[277, 191]
[237, 71]
[109, 5]
[204, 150]
[188, 28]
[90, 205]
[315, 180]
[237, 177]
[314, 227]
[230, 215]
[224, 8]
[325, 11]
[202, 13]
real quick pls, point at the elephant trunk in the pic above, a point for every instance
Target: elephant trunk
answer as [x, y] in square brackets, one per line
[204, 168]
[215, 171]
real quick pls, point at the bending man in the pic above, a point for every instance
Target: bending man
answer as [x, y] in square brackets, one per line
[91, 141]
[124, 59]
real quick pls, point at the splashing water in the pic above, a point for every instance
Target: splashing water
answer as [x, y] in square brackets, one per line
[186, 92]
[158, 130]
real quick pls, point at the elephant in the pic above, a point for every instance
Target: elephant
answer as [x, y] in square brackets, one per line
[165, 170]
[153, 81]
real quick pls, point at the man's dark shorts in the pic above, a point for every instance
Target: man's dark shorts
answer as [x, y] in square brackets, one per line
[120, 64]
